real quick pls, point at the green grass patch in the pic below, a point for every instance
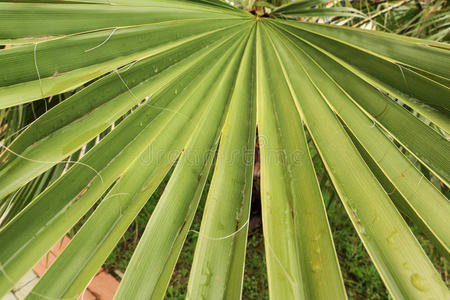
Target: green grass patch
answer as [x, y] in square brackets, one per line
[360, 276]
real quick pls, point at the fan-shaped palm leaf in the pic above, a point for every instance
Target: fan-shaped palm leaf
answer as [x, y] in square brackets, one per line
[192, 78]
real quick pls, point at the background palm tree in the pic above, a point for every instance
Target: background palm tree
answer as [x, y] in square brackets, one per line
[184, 85]
[420, 18]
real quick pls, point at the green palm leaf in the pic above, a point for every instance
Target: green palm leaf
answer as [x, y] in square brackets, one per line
[191, 85]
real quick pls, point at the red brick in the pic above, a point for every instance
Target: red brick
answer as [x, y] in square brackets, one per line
[87, 296]
[44, 264]
[60, 246]
[103, 286]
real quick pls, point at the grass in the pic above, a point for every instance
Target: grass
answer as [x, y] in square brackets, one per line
[360, 276]
[255, 278]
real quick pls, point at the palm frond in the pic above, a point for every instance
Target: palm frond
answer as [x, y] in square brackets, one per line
[191, 86]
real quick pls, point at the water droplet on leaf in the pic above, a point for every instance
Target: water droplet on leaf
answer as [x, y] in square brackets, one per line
[419, 283]
[316, 268]
[390, 239]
